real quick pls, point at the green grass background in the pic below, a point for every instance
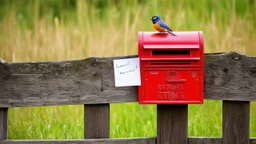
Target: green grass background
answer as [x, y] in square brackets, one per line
[41, 30]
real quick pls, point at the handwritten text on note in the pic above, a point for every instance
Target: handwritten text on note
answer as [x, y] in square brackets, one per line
[127, 72]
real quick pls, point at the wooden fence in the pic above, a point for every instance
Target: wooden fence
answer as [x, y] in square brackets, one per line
[230, 77]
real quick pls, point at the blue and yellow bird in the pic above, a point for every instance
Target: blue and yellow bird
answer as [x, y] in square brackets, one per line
[161, 26]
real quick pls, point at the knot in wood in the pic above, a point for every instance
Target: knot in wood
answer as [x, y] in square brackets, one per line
[213, 66]
[252, 69]
[94, 63]
[225, 70]
[236, 57]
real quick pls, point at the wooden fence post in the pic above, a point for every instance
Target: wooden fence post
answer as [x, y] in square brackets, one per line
[3, 123]
[96, 121]
[172, 124]
[236, 120]
[4, 73]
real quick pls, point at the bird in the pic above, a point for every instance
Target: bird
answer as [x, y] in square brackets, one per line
[160, 25]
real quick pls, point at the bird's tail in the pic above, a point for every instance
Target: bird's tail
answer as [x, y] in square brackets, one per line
[170, 32]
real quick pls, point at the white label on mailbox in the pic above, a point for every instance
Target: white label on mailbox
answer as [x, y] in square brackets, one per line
[127, 72]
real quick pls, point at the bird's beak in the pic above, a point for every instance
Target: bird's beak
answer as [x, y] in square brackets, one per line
[150, 19]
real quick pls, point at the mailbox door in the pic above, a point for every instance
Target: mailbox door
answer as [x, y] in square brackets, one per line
[172, 86]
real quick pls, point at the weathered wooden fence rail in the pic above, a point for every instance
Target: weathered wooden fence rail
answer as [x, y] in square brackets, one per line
[230, 77]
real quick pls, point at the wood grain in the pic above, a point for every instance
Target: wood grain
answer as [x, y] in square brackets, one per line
[96, 121]
[172, 124]
[151, 140]
[236, 120]
[3, 123]
[228, 76]
[4, 69]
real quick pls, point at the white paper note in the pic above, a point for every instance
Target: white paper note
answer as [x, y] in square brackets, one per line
[127, 72]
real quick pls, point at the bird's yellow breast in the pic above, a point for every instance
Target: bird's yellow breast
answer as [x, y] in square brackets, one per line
[157, 27]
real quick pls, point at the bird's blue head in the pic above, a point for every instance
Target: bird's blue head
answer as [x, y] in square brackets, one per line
[155, 19]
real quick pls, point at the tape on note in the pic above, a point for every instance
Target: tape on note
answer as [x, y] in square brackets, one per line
[127, 72]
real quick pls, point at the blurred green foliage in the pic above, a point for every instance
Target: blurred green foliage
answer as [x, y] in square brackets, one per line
[27, 10]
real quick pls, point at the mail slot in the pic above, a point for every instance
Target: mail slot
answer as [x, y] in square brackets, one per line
[172, 68]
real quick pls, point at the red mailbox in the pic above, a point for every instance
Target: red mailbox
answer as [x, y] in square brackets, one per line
[172, 68]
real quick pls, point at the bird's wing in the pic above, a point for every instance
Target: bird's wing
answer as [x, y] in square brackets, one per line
[164, 25]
